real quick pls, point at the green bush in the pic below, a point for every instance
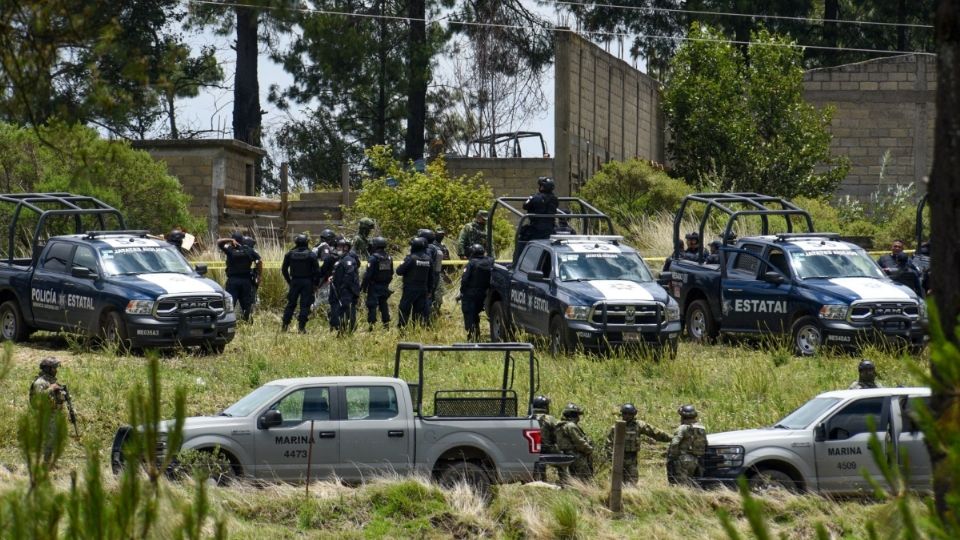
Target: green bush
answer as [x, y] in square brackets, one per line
[826, 218]
[628, 190]
[75, 159]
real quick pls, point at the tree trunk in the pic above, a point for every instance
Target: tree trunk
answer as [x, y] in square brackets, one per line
[246, 88]
[419, 78]
[831, 11]
[901, 30]
[944, 197]
[172, 114]
[380, 128]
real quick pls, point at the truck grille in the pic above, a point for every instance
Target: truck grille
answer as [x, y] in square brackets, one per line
[862, 312]
[626, 314]
[172, 307]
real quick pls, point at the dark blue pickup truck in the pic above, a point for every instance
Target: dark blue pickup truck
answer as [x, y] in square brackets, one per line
[590, 291]
[116, 285]
[810, 286]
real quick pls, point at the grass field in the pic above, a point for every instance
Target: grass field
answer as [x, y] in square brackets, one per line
[733, 385]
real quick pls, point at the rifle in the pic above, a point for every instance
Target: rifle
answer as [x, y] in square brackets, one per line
[72, 414]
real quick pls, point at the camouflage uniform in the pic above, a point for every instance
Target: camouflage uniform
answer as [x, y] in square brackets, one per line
[361, 242]
[685, 451]
[631, 445]
[572, 440]
[42, 386]
[860, 385]
[472, 233]
[548, 432]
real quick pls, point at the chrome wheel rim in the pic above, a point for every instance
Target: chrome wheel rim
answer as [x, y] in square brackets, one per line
[9, 325]
[698, 325]
[808, 339]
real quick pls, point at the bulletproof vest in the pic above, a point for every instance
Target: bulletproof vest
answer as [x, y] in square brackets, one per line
[301, 263]
[239, 261]
[323, 249]
[479, 273]
[631, 439]
[548, 432]
[436, 258]
[419, 272]
[695, 440]
[346, 270]
[564, 443]
[383, 271]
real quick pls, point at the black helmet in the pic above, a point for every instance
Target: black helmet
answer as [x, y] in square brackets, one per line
[342, 241]
[237, 236]
[440, 234]
[476, 251]
[300, 240]
[328, 236]
[866, 365]
[49, 363]
[249, 241]
[572, 409]
[378, 242]
[418, 244]
[628, 409]
[546, 184]
[176, 236]
[541, 403]
[426, 234]
[687, 411]
[693, 236]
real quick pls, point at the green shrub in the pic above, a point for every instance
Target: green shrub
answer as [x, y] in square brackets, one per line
[900, 225]
[75, 159]
[628, 190]
[826, 218]
[860, 227]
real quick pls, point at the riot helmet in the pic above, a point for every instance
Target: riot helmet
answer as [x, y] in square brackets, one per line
[628, 410]
[426, 234]
[541, 403]
[49, 365]
[440, 235]
[237, 237]
[477, 251]
[418, 244]
[572, 410]
[328, 236]
[687, 412]
[301, 240]
[546, 184]
[378, 242]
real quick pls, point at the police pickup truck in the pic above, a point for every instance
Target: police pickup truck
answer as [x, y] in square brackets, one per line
[590, 291]
[823, 445]
[355, 428]
[810, 286]
[116, 285]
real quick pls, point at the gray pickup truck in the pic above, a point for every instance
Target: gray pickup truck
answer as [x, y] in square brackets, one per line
[353, 428]
[822, 446]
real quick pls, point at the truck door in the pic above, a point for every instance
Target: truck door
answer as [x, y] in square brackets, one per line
[522, 291]
[738, 290]
[48, 290]
[83, 294]
[539, 313]
[913, 455]
[841, 447]
[376, 432]
[281, 452]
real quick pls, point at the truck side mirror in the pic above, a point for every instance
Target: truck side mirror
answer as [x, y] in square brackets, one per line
[201, 269]
[773, 277]
[83, 272]
[820, 433]
[536, 276]
[270, 419]
[665, 278]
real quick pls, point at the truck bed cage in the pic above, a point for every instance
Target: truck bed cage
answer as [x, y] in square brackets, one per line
[736, 205]
[483, 406]
[47, 205]
[587, 213]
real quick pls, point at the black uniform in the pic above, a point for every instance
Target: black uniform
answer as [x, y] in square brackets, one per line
[344, 293]
[473, 293]
[901, 270]
[301, 271]
[436, 292]
[541, 203]
[690, 254]
[417, 272]
[240, 260]
[376, 283]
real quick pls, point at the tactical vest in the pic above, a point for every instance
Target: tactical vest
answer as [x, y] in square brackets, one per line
[479, 274]
[548, 432]
[301, 263]
[564, 443]
[631, 439]
[239, 260]
[383, 269]
[694, 441]
[436, 258]
[419, 270]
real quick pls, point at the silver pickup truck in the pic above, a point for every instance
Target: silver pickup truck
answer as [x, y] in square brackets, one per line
[356, 427]
[822, 446]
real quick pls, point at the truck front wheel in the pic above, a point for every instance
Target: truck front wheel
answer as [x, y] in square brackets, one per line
[113, 330]
[560, 342]
[499, 327]
[12, 326]
[700, 324]
[807, 336]
[772, 479]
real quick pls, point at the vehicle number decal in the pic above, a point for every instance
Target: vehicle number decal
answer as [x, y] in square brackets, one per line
[295, 454]
[847, 465]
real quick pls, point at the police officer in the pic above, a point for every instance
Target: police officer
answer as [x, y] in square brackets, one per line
[376, 282]
[543, 202]
[686, 448]
[714, 256]
[344, 289]
[572, 440]
[631, 441]
[436, 257]
[361, 242]
[548, 431]
[301, 271]
[692, 251]
[327, 245]
[176, 237]
[472, 233]
[417, 272]
[867, 376]
[46, 385]
[473, 290]
[240, 260]
[898, 266]
[255, 276]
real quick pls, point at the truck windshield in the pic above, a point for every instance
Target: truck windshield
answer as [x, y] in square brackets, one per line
[143, 260]
[807, 413]
[834, 264]
[602, 266]
[252, 401]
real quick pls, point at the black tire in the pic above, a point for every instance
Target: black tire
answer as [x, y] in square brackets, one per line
[465, 472]
[766, 479]
[700, 325]
[218, 467]
[114, 330]
[500, 331]
[807, 336]
[12, 326]
[559, 340]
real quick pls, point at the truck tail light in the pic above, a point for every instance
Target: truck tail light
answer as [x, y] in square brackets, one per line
[533, 440]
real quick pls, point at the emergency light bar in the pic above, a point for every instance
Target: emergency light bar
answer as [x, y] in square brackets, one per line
[568, 238]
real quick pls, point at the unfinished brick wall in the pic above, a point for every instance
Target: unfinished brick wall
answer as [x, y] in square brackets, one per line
[507, 176]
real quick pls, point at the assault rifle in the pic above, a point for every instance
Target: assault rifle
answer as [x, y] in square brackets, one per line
[72, 414]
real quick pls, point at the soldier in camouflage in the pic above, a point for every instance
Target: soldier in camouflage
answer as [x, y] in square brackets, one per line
[631, 441]
[867, 376]
[548, 431]
[361, 242]
[572, 440]
[687, 448]
[472, 233]
[46, 385]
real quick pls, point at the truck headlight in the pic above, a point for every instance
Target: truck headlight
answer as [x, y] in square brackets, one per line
[228, 303]
[834, 311]
[922, 310]
[577, 313]
[140, 307]
[731, 457]
[672, 311]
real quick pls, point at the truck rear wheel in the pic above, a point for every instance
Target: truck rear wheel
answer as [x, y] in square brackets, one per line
[772, 479]
[500, 331]
[113, 330]
[700, 324]
[465, 472]
[807, 336]
[12, 326]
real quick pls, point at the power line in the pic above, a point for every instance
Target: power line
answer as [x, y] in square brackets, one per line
[558, 29]
[744, 15]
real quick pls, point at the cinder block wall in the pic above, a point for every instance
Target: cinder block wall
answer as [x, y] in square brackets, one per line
[507, 176]
[885, 104]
